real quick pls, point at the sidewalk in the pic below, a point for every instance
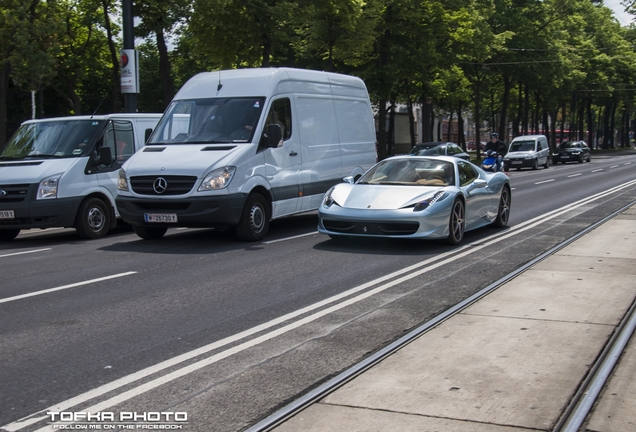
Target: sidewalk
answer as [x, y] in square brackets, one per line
[511, 361]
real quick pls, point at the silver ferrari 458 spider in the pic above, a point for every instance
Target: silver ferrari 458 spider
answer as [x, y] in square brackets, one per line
[416, 197]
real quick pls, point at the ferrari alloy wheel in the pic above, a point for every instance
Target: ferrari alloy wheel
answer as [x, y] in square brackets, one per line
[503, 214]
[456, 223]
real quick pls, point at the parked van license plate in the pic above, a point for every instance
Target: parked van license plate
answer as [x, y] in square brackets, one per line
[7, 214]
[162, 217]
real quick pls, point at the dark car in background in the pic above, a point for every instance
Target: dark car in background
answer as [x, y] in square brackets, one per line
[439, 149]
[572, 151]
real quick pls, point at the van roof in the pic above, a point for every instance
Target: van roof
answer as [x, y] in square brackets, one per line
[269, 81]
[98, 117]
[525, 137]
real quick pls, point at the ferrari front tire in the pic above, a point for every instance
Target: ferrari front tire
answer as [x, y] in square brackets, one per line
[503, 213]
[456, 223]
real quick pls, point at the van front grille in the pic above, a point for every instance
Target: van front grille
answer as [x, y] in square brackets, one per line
[162, 185]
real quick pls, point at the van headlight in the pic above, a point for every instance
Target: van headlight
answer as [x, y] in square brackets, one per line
[47, 189]
[217, 179]
[122, 181]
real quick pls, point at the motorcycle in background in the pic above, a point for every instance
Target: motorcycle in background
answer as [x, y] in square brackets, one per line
[490, 161]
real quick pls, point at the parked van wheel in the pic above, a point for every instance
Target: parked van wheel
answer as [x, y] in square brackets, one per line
[254, 222]
[535, 164]
[93, 219]
[456, 223]
[8, 234]
[503, 214]
[152, 233]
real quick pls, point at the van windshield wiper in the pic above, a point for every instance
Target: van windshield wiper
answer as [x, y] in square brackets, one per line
[43, 156]
[10, 158]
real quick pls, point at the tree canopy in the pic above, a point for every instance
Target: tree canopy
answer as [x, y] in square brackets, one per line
[512, 66]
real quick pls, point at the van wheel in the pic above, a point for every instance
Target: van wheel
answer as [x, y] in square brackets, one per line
[545, 165]
[8, 234]
[456, 223]
[535, 164]
[254, 222]
[149, 233]
[93, 219]
[503, 214]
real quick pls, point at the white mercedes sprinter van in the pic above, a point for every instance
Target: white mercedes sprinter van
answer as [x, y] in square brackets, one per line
[62, 172]
[237, 148]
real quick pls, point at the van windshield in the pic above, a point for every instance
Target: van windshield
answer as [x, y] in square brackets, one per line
[51, 139]
[209, 121]
[522, 146]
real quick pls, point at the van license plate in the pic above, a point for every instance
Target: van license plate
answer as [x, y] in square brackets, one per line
[517, 162]
[161, 217]
[7, 214]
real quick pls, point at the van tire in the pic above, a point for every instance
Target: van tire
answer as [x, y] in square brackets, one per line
[254, 222]
[93, 219]
[535, 164]
[152, 233]
[9, 234]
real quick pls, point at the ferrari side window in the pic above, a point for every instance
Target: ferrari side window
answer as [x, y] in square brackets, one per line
[467, 174]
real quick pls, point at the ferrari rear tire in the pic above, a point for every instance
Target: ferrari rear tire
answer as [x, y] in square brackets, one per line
[456, 223]
[503, 213]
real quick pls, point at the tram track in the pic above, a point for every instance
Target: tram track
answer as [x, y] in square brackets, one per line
[575, 412]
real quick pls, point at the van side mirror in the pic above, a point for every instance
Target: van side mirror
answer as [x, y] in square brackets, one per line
[274, 134]
[147, 134]
[104, 156]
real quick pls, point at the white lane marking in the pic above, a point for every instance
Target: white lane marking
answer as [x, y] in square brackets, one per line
[597, 170]
[290, 238]
[25, 252]
[442, 259]
[614, 166]
[544, 181]
[575, 175]
[46, 291]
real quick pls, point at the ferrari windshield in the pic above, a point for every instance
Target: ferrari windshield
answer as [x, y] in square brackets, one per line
[209, 121]
[51, 139]
[417, 172]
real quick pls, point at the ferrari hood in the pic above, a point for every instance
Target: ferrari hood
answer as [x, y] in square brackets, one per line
[380, 197]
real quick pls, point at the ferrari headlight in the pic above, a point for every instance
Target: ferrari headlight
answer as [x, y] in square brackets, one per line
[328, 200]
[47, 189]
[217, 179]
[122, 181]
[422, 205]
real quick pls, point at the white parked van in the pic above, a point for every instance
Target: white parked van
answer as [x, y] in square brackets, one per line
[62, 172]
[237, 148]
[527, 151]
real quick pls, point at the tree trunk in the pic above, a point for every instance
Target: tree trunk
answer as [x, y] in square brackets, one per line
[382, 130]
[450, 127]
[526, 110]
[505, 102]
[591, 136]
[114, 58]
[4, 87]
[165, 68]
[460, 128]
[391, 134]
[409, 106]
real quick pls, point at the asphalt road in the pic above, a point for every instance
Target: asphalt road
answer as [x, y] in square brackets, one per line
[226, 332]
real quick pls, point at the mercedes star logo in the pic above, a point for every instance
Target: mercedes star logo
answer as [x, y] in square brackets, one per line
[160, 185]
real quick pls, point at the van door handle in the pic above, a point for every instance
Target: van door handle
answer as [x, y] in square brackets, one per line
[293, 153]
